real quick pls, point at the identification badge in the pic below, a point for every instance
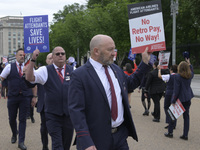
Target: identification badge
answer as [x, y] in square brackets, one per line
[67, 78]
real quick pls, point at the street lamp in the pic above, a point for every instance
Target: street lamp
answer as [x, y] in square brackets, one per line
[174, 12]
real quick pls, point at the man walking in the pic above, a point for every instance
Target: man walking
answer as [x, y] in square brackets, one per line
[98, 99]
[55, 79]
[18, 97]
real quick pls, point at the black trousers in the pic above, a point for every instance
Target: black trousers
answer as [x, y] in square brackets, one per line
[156, 99]
[120, 139]
[17, 104]
[60, 129]
[43, 129]
[186, 118]
[30, 109]
[167, 103]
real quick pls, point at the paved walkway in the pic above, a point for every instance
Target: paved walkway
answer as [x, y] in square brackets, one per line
[150, 134]
[196, 85]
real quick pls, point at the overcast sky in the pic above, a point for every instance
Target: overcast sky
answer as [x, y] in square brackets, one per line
[34, 7]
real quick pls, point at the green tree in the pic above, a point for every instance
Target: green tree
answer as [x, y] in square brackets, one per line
[75, 25]
[187, 32]
[66, 29]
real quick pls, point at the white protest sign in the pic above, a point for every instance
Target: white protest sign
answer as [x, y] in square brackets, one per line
[177, 110]
[164, 59]
[146, 26]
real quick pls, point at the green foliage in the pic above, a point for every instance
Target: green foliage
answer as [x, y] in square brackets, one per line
[75, 25]
[197, 70]
[42, 58]
[67, 29]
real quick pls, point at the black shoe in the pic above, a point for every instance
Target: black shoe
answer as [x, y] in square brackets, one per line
[146, 113]
[32, 120]
[45, 148]
[169, 135]
[13, 139]
[156, 120]
[129, 106]
[167, 127]
[22, 146]
[184, 137]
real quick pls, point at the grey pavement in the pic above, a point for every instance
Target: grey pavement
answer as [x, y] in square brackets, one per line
[196, 85]
[150, 134]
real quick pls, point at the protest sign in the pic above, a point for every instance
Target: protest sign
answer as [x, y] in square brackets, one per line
[176, 110]
[131, 56]
[164, 59]
[115, 57]
[146, 26]
[152, 60]
[36, 33]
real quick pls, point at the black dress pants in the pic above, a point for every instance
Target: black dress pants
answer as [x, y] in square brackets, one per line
[17, 104]
[156, 99]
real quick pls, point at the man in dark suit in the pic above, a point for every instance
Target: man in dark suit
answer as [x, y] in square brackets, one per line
[55, 79]
[18, 97]
[98, 99]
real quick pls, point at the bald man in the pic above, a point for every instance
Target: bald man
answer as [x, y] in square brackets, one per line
[55, 79]
[49, 59]
[98, 98]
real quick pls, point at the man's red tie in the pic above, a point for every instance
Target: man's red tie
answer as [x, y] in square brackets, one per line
[20, 70]
[60, 74]
[114, 110]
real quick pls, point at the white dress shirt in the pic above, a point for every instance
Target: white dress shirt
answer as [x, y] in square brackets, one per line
[104, 80]
[166, 77]
[41, 74]
[6, 70]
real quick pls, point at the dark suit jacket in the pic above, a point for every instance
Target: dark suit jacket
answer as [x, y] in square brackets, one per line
[182, 89]
[89, 109]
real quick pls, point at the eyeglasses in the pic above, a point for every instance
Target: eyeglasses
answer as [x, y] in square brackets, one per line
[58, 54]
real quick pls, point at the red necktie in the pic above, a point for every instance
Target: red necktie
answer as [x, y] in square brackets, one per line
[114, 110]
[60, 74]
[20, 70]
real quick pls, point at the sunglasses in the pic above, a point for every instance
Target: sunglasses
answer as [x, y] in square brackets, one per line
[58, 54]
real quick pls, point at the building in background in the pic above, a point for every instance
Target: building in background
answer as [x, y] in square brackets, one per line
[11, 34]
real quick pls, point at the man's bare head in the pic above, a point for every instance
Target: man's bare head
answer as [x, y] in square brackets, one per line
[102, 49]
[49, 59]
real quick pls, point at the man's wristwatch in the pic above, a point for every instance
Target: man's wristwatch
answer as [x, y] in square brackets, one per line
[35, 96]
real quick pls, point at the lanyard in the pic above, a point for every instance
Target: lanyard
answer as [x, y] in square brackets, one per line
[61, 74]
[20, 69]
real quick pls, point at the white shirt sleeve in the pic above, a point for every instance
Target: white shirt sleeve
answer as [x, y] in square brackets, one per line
[166, 77]
[6, 71]
[41, 75]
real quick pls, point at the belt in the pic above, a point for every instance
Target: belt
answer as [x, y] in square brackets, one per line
[114, 130]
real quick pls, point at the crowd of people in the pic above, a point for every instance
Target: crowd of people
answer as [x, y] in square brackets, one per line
[173, 85]
[93, 99]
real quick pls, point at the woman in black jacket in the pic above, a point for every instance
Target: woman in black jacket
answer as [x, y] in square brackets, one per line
[182, 91]
[156, 87]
